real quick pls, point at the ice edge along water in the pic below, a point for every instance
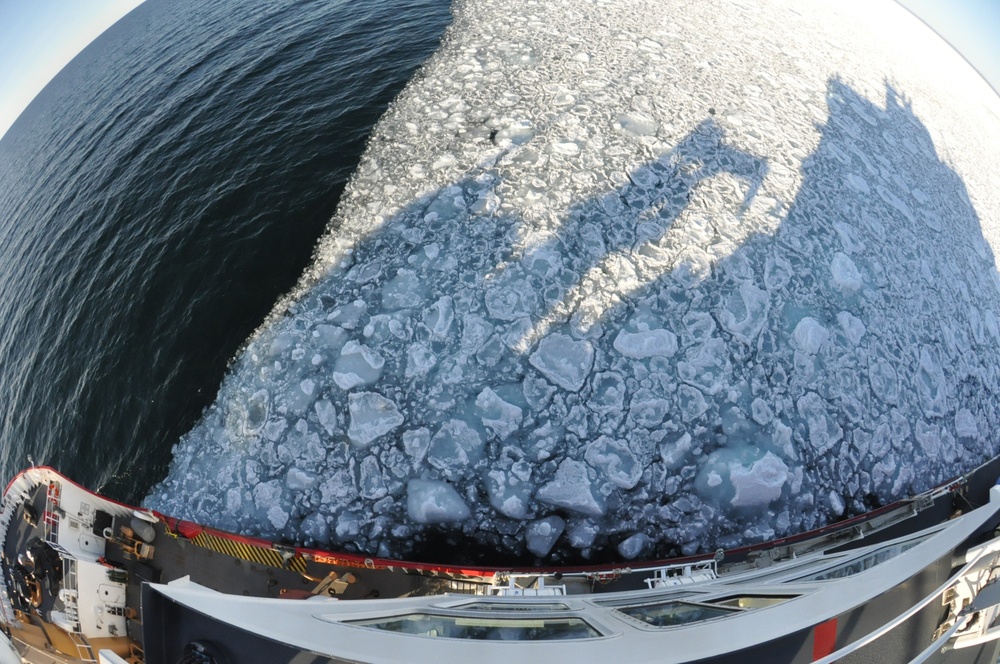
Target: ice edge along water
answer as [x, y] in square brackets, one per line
[655, 276]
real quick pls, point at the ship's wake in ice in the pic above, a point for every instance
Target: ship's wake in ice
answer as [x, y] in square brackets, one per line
[605, 285]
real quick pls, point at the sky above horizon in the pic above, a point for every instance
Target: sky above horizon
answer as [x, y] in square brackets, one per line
[38, 39]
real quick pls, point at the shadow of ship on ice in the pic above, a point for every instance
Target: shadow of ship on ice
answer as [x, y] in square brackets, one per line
[725, 366]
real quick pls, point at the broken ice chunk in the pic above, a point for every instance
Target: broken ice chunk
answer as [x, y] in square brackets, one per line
[761, 412]
[642, 345]
[761, 483]
[372, 483]
[930, 383]
[327, 415]
[298, 479]
[809, 336]
[882, 378]
[346, 316]
[372, 416]
[846, 277]
[636, 124]
[647, 410]
[511, 302]
[614, 460]
[403, 291]
[439, 317]
[508, 494]
[582, 533]
[429, 501]
[691, 402]
[824, 432]
[672, 452]
[608, 395]
[571, 489]
[965, 424]
[419, 360]
[502, 417]
[475, 331]
[743, 314]
[541, 535]
[357, 365]
[853, 328]
[454, 448]
[563, 360]
[631, 547]
[707, 366]
[416, 443]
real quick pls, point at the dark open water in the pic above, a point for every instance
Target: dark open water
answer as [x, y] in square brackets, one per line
[156, 200]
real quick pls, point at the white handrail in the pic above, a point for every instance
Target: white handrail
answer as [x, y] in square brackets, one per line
[979, 554]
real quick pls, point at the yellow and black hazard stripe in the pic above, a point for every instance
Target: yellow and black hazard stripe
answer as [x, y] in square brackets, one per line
[249, 552]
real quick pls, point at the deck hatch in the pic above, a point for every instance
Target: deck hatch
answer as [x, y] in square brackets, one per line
[247, 551]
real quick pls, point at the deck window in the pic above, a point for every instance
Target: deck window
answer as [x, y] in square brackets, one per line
[672, 614]
[485, 628]
[865, 562]
[512, 606]
[752, 601]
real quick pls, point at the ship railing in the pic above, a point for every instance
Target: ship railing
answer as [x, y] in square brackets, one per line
[9, 616]
[988, 555]
[50, 519]
[84, 651]
[507, 585]
[467, 587]
[6, 516]
[682, 574]
[69, 574]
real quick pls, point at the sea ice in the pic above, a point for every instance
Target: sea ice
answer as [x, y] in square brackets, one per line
[615, 461]
[572, 490]
[564, 361]
[372, 416]
[761, 483]
[455, 448]
[358, 365]
[542, 534]
[642, 345]
[499, 416]
[809, 336]
[632, 547]
[548, 294]
[846, 276]
[429, 501]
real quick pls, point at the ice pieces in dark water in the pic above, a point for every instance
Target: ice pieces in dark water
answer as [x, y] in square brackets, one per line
[615, 461]
[571, 489]
[760, 484]
[428, 501]
[358, 365]
[632, 547]
[564, 360]
[509, 494]
[372, 415]
[556, 313]
[541, 535]
[498, 415]
[455, 449]
[651, 343]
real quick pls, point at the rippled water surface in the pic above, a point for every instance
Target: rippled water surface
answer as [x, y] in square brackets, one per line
[159, 196]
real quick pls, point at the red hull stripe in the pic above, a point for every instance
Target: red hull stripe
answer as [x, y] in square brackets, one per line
[824, 638]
